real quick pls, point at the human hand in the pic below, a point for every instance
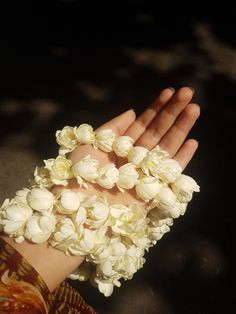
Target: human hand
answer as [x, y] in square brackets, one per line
[166, 123]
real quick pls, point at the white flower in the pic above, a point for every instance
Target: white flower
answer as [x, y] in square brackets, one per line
[105, 139]
[84, 134]
[160, 153]
[102, 242]
[87, 168]
[122, 145]
[117, 249]
[80, 216]
[97, 211]
[156, 233]
[147, 188]
[128, 177]
[158, 218]
[21, 195]
[118, 260]
[42, 177]
[84, 244]
[69, 202]
[65, 235]
[184, 187]
[66, 139]
[13, 217]
[107, 176]
[105, 268]
[178, 209]
[105, 288]
[40, 226]
[158, 225]
[165, 200]
[119, 210]
[137, 154]
[129, 263]
[152, 160]
[149, 163]
[65, 230]
[140, 238]
[127, 220]
[168, 170]
[60, 170]
[182, 207]
[40, 199]
[82, 273]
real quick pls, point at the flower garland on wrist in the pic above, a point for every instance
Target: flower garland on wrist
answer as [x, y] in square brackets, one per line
[113, 237]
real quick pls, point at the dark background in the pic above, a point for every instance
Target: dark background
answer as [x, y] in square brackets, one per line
[66, 63]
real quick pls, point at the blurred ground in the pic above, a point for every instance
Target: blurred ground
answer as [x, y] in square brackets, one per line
[61, 65]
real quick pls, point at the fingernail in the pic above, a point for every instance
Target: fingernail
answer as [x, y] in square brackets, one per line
[192, 89]
[172, 89]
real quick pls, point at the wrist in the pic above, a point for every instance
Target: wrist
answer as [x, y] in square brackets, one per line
[51, 264]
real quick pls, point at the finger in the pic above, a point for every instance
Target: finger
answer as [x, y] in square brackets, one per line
[165, 119]
[177, 134]
[120, 123]
[141, 123]
[186, 152]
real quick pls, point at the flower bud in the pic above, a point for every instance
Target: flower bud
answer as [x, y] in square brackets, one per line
[107, 176]
[106, 288]
[80, 216]
[137, 154]
[97, 211]
[150, 161]
[84, 134]
[39, 227]
[117, 249]
[65, 235]
[85, 243]
[21, 195]
[105, 139]
[147, 188]
[69, 202]
[40, 199]
[60, 170]
[14, 216]
[87, 168]
[128, 176]
[105, 268]
[184, 187]
[156, 233]
[160, 153]
[122, 145]
[66, 139]
[167, 170]
[165, 199]
[42, 177]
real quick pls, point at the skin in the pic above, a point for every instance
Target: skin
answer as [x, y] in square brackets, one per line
[166, 122]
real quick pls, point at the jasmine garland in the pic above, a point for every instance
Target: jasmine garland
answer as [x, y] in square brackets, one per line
[112, 237]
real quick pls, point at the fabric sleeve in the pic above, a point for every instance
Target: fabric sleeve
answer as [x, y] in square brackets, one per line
[22, 290]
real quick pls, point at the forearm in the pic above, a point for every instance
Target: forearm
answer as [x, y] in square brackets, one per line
[52, 265]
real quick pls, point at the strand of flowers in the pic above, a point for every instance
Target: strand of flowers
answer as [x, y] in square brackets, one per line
[162, 173]
[145, 169]
[113, 238]
[106, 140]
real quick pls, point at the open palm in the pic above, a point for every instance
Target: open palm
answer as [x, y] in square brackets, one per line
[166, 122]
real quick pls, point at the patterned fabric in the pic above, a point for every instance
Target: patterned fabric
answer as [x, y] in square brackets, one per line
[22, 290]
